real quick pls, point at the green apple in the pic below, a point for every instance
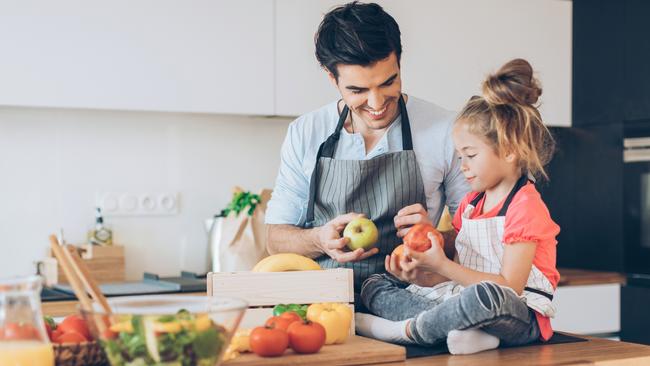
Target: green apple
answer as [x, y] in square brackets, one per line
[362, 233]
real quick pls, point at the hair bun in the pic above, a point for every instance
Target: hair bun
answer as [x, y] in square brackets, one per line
[512, 84]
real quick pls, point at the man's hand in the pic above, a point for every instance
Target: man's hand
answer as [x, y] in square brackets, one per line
[409, 216]
[332, 244]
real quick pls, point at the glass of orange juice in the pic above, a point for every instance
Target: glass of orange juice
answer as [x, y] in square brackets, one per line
[23, 338]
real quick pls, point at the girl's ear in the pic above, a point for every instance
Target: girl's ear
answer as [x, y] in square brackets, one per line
[511, 158]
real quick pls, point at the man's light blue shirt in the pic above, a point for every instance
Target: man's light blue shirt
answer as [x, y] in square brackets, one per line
[434, 149]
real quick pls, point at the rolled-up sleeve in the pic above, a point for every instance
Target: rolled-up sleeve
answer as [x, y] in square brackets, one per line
[289, 199]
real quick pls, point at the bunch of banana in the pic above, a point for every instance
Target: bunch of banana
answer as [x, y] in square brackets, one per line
[286, 262]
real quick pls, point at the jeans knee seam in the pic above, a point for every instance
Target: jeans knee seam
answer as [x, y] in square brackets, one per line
[478, 297]
[482, 324]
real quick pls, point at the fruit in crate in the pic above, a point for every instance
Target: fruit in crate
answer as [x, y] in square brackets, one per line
[334, 317]
[417, 237]
[362, 233]
[286, 262]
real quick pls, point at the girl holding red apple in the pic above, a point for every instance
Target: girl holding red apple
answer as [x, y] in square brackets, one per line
[502, 280]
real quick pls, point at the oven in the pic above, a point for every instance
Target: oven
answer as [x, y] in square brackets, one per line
[636, 198]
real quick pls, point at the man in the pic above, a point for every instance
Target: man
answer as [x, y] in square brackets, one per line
[376, 152]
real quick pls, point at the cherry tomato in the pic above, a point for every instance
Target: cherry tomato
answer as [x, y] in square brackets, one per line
[279, 322]
[306, 337]
[76, 323]
[268, 342]
[18, 331]
[71, 336]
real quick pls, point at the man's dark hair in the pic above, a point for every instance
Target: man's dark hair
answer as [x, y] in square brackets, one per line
[356, 34]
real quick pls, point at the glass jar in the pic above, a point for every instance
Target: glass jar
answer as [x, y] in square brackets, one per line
[23, 338]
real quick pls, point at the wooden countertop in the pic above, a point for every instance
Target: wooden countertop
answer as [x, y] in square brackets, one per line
[594, 352]
[580, 277]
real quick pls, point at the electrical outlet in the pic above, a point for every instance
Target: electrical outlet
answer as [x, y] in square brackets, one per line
[138, 204]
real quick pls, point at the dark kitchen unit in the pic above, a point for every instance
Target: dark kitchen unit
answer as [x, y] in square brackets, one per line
[600, 178]
[187, 282]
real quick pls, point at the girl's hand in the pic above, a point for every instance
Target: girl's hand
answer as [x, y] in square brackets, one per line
[431, 260]
[416, 276]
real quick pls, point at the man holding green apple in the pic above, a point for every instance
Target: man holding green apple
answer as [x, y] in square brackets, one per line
[375, 153]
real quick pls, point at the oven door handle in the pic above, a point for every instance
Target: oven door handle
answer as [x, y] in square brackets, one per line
[636, 155]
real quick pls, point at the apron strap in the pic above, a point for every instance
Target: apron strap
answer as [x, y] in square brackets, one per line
[328, 147]
[502, 212]
[539, 292]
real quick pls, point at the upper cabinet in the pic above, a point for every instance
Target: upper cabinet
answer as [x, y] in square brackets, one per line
[449, 46]
[256, 57]
[162, 55]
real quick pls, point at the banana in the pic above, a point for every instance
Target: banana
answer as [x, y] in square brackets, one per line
[286, 262]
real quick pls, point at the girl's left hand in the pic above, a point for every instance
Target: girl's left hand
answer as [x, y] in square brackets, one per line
[430, 260]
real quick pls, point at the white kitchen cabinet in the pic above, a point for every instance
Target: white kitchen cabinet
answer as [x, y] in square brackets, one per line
[591, 309]
[448, 48]
[162, 55]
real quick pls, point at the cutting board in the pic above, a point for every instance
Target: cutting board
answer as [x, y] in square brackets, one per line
[355, 351]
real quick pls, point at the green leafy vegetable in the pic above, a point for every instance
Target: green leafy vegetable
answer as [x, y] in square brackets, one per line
[240, 202]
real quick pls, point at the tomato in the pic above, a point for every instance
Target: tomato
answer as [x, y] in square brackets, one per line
[279, 322]
[56, 333]
[76, 323]
[108, 334]
[294, 317]
[268, 342]
[18, 331]
[48, 329]
[417, 237]
[306, 337]
[71, 336]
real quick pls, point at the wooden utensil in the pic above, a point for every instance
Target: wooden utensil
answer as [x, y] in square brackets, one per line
[81, 281]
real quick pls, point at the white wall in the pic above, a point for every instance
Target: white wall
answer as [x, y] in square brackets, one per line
[53, 161]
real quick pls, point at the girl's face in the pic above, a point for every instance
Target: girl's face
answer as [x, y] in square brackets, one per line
[482, 166]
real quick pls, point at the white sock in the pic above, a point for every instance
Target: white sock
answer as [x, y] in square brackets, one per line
[386, 330]
[465, 342]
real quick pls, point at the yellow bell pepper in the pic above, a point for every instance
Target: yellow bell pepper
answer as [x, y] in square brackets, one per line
[335, 318]
[169, 327]
[124, 326]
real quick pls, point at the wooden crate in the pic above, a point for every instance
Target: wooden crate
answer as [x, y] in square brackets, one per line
[106, 264]
[264, 290]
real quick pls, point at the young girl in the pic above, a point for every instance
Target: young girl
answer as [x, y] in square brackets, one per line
[500, 285]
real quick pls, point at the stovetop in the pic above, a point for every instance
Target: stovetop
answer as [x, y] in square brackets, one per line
[150, 284]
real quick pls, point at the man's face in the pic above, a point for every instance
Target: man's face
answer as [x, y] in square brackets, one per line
[371, 92]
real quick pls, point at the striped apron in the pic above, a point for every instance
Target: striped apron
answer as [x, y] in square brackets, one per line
[480, 247]
[378, 187]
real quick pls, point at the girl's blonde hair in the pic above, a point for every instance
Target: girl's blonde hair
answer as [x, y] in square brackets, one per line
[506, 115]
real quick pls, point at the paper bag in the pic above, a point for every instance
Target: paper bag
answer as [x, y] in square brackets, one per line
[238, 241]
